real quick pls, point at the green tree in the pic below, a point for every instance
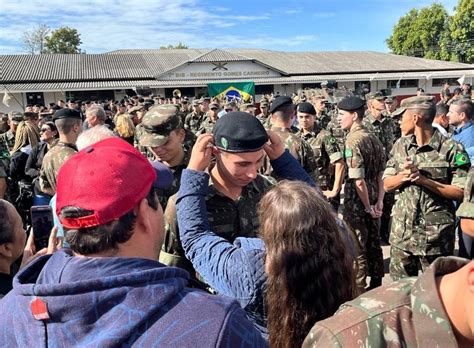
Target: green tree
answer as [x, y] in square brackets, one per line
[461, 26]
[34, 39]
[179, 46]
[419, 33]
[63, 40]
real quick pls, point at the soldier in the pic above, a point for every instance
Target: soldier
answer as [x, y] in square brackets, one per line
[329, 158]
[429, 170]
[248, 108]
[282, 112]
[69, 124]
[322, 116]
[263, 116]
[194, 119]
[235, 187]
[210, 120]
[163, 136]
[7, 141]
[363, 191]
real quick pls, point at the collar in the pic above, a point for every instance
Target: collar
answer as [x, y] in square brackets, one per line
[434, 143]
[356, 128]
[429, 317]
[460, 129]
[252, 187]
[281, 129]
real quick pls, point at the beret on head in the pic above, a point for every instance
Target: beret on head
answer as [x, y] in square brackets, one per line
[350, 104]
[306, 108]
[67, 113]
[239, 132]
[279, 102]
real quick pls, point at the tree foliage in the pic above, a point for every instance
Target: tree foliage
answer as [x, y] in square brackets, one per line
[180, 45]
[431, 33]
[34, 40]
[63, 40]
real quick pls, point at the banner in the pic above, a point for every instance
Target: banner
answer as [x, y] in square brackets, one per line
[239, 91]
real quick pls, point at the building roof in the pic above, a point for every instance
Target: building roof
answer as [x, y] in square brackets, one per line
[126, 68]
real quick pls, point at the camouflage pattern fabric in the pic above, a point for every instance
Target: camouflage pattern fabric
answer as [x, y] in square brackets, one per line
[7, 141]
[264, 119]
[322, 120]
[207, 126]
[326, 152]
[298, 148]
[382, 128]
[139, 130]
[365, 159]
[193, 121]
[336, 131]
[466, 209]
[406, 313]
[189, 140]
[164, 195]
[423, 222]
[227, 218]
[52, 162]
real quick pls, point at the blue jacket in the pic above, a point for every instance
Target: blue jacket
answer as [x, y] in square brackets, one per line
[117, 302]
[465, 135]
[235, 270]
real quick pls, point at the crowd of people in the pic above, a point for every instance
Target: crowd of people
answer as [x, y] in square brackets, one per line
[211, 222]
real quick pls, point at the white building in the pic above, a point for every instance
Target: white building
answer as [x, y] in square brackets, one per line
[41, 79]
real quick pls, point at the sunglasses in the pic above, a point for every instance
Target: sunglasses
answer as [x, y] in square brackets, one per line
[42, 130]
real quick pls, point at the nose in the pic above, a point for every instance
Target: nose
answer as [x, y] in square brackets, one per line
[252, 172]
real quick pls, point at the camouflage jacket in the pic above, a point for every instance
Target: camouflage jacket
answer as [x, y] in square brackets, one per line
[336, 131]
[165, 194]
[227, 218]
[298, 148]
[406, 313]
[326, 152]
[423, 222]
[52, 162]
[322, 120]
[7, 141]
[193, 121]
[139, 129]
[264, 119]
[383, 129]
[207, 126]
[365, 159]
[466, 209]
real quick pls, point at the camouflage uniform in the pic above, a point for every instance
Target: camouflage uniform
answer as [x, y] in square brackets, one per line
[52, 162]
[299, 148]
[264, 119]
[206, 126]
[326, 152]
[7, 141]
[227, 218]
[139, 130]
[423, 222]
[384, 130]
[336, 131]
[466, 209]
[322, 120]
[193, 121]
[406, 313]
[365, 159]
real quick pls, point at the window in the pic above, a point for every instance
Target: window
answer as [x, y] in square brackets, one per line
[362, 87]
[264, 89]
[403, 84]
[440, 82]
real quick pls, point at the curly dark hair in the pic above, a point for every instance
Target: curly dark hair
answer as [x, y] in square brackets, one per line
[310, 271]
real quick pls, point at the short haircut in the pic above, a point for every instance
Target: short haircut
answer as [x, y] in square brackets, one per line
[284, 113]
[96, 110]
[465, 105]
[106, 237]
[441, 109]
[65, 125]
[30, 115]
[6, 223]
[428, 114]
[93, 135]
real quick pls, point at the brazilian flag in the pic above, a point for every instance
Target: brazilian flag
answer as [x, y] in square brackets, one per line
[241, 91]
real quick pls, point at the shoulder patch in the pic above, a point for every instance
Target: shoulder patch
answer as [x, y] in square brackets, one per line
[348, 153]
[461, 159]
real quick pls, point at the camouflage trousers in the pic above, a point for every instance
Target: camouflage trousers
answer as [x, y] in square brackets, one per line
[370, 257]
[388, 202]
[404, 264]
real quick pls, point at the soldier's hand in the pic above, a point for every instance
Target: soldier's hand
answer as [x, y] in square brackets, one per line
[201, 154]
[274, 147]
[330, 194]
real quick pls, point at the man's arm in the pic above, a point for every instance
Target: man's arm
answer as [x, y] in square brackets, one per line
[447, 191]
[339, 170]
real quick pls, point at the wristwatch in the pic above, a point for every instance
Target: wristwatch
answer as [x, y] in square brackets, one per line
[369, 210]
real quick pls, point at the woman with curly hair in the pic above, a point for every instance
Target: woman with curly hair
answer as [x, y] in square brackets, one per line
[298, 272]
[125, 128]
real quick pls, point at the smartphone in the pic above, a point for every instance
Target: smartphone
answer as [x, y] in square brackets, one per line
[42, 223]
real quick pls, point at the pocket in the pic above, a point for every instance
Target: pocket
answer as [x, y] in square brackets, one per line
[434, 170]
[440, 229]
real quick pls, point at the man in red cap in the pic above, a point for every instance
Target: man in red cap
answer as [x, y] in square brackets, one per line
[108, 289]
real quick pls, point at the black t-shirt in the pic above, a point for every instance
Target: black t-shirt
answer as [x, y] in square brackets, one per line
[5, 284]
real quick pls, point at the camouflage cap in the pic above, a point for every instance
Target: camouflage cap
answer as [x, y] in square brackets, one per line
[264, 103]
[319, 94]
[390, 99]
[158, 123]
[135, 109]
[375, 95]
[196, 102]
[230, 105]
[15, 117]
[214, 105]
[247, 106]
[416, 102]
[466, 209]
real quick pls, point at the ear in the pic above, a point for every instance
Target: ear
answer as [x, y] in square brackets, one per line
[470, 277]
[181, 133]
[215, 151]
[6, 250]
[143, 216]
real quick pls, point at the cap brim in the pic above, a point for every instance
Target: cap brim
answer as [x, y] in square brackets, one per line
[164, 176]
[152, 140]
[399, 111]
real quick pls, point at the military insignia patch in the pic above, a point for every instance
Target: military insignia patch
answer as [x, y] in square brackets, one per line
[225, 143]
[332, 140]
[348, 153]
[461, 159]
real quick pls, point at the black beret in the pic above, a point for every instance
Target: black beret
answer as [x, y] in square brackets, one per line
[239, 132]
[279, 102]
[350, 104]
[306, 108]
[67, 113]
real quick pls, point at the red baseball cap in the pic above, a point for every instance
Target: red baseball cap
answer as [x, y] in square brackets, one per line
[109, 178]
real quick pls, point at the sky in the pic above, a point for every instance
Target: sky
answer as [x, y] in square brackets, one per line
[305, 25]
